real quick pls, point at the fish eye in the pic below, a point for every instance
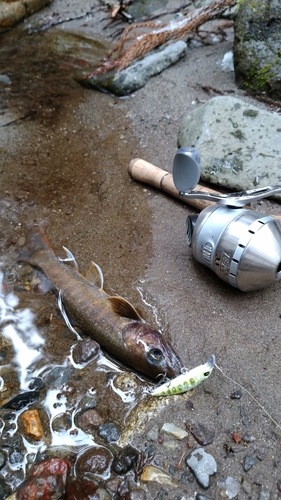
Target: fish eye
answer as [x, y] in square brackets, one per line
[154, 354]
[206, 374]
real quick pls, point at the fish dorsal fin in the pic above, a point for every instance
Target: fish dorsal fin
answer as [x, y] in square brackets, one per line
[123, 308]
[94, 275]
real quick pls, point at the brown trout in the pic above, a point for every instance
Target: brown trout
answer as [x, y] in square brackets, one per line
[112, 321]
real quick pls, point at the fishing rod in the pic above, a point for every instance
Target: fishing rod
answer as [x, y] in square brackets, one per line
[242, 246]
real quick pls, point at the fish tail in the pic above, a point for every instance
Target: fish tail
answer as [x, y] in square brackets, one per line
[35, 240]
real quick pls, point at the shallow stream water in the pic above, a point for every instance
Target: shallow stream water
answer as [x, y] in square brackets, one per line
[64, 157]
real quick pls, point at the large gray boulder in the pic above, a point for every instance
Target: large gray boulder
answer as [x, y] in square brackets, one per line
[239, 144]
[257, 46]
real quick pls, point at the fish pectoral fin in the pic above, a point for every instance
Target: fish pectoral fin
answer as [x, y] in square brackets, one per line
[123, 308]
[94, 275]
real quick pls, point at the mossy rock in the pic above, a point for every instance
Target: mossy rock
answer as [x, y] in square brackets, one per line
[257, 46]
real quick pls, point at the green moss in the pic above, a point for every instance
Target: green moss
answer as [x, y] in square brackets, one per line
[250, 112]
[259, 78]
[238, 134]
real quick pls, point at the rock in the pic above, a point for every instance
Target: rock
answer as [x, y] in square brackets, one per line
[249, 462]
[257, 46]
[134, 77]
[85, 351]
[173, 431]
[89, 420]
[74, 489]
[236, 394]
[2, 459]
[136, 495]
[58, 376]
[22, 400]
[237, 142]
[201, 433]
[46, 480]
[5, 490]
[203, 465]
[95, 460]
[109, 432]
[62, 422]
[125, 460]
[32, 424]
[102, 494]
[246, 485]
[245, 418]
[13, 12]
[36, 384]
[154, 474]
[230, 487]
[264, 495]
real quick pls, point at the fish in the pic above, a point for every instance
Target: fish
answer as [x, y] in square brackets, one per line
[185, 381]
[111, 321]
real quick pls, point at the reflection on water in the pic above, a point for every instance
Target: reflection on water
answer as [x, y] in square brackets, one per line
[18, 326]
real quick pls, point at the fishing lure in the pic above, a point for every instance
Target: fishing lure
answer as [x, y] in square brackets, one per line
[186, 381]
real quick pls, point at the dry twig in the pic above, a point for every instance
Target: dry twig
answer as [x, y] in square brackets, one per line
[162, 33]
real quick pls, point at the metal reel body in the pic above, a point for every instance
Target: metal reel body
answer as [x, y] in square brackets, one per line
[242, 246]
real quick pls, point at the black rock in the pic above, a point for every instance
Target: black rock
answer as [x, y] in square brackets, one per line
[109, 432]
[125, 461]
[22, 400]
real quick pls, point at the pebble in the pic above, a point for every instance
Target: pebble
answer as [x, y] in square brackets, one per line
[245, 418]
[62, 422]
[85, 351]
[230, 487]
[89, 420]
[36, 384]
[202, 497]
[74, 489]
[5, 490]
[154, 474]
[153, 433]
[109, 432]
[249, 462]
[102, 494]
[95, 459]
[236, 394]
[201, 433]
[246, 485]
[203, 465]
[58, 376]
[173, 431]
[247, 438]
[136, 495]
[264, 495]
[46, 480]
[22, 400]
[32, 424]
[125, 460]
[2, 459]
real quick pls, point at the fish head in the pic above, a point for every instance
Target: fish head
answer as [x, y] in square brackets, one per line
[150, 352]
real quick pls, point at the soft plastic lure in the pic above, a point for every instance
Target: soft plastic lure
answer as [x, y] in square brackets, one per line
[187, 380]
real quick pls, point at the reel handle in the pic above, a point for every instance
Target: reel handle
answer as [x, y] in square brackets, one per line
[143, 171]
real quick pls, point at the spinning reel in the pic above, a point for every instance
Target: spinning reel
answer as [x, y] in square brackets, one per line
[242, 246]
